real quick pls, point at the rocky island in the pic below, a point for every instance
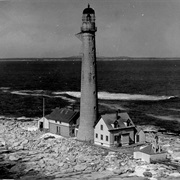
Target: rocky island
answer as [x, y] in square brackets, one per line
[27, 153]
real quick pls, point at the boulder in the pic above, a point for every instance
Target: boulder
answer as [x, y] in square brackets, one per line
[18, 168]
[147, 174]
[25, 141]
[13, 158]
[2, 128]
[16, 144]
[60, 164]
[80, 167]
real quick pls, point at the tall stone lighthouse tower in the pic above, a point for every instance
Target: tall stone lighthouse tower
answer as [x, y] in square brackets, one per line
[88, 104]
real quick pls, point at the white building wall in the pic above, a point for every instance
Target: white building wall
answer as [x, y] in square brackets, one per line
[59, 123]
[137, 155]
[142, 137]
[142, 156]
[145, 157]
[149, 158]
[104, 133]
[45, 123]
[158, 157]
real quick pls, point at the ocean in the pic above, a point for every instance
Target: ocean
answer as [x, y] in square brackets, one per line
[148, 90]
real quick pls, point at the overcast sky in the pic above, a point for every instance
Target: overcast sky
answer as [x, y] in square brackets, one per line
[47, 28]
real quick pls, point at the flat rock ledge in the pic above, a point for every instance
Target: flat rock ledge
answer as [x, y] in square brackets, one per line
[34, 155]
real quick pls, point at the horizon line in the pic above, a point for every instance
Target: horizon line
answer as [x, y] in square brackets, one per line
[99, 57]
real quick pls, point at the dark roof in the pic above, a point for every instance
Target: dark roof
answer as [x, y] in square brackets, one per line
[122, 119]
[88, 10]
[147, 149]
[63, 115]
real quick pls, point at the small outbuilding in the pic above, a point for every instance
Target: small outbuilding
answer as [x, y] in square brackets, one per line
[140, 136]
[43, 124]
[149, 154]
[62, 121]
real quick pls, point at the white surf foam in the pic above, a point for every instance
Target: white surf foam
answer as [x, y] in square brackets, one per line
[40, 93]
[4, 88]
[19, 93]
[65, 98]
[168, 118]
[30, 93]
[119, 96]
[174, 109]
[101, 95]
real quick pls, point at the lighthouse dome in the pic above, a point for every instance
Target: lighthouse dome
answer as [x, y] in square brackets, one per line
[88, 10]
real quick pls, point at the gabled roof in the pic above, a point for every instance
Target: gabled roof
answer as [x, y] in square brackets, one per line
[63, 115]
[122, 119]
[147, 149]
[138, 129]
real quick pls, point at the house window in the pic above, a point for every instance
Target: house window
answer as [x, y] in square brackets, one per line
[58, 130]
[72, 131]
[101, 137]
[106, 138]
[115, 138]
[96, 135]
[101, 127]
[116, 124]
[128, 122]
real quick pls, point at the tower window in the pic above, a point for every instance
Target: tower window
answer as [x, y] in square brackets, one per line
[101, 137]
[102, 127]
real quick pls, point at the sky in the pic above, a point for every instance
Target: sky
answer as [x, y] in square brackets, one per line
[47, 28]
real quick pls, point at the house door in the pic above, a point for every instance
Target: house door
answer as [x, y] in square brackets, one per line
[58, 130]
[76, 132]
[41, 126]
[137, 138]
[117, 139]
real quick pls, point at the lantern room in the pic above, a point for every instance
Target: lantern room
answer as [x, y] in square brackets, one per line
[88, 20]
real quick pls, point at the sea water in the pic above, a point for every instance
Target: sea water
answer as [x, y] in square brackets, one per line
[149, 90]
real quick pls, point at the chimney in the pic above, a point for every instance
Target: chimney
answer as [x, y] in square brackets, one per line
[117, 115]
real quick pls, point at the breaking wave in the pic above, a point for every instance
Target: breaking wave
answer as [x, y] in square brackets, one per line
[70, 95]
[120, 96]
[169, 118]
[41, 93]
[28, 93]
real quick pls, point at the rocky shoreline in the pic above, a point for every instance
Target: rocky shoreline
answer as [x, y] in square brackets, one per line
[33, 154]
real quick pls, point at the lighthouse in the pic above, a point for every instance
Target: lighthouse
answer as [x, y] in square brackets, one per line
[88, 103]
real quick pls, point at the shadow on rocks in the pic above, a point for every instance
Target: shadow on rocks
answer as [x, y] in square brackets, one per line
[17, 170]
